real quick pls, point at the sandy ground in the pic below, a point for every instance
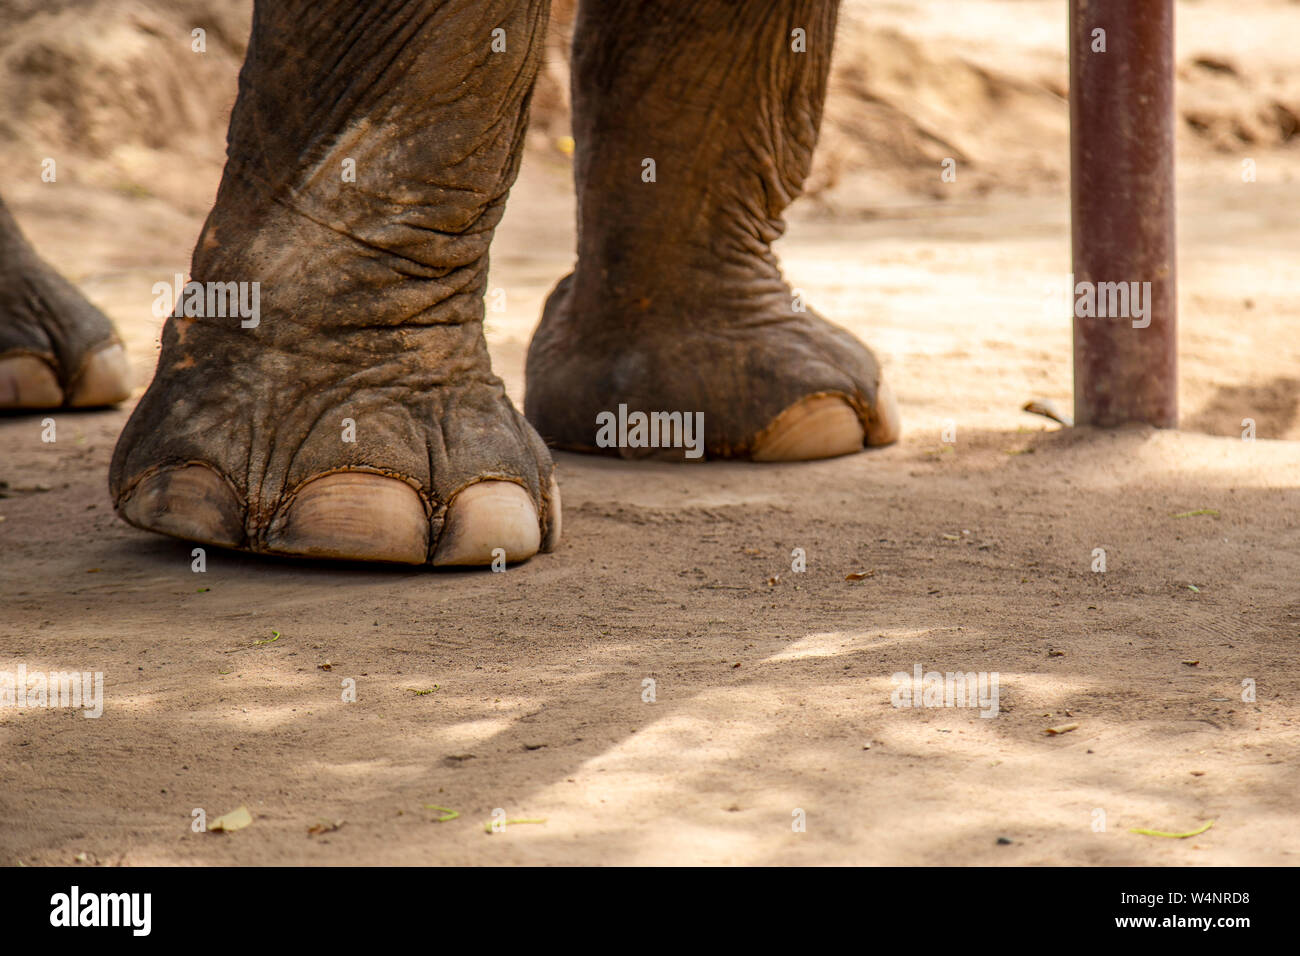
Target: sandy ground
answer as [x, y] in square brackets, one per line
[772, 688]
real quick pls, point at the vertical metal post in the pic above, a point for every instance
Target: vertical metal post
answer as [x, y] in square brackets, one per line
[1122, 210]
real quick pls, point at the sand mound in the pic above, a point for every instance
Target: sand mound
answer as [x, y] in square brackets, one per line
[114, 92]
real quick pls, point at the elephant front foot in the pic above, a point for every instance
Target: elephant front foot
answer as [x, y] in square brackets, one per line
[382, 442]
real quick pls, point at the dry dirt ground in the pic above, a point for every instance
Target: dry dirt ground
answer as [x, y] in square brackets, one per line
[524, 690]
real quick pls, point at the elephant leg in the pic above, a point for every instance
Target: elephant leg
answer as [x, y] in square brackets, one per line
[694, 126]
[348, 409]
[56, 349]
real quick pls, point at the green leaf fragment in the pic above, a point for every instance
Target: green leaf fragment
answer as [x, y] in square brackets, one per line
[487, 827]
[1172, 836]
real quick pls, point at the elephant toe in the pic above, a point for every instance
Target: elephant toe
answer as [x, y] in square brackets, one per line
[885, 424]
[488, 516]
[191, 501]
[819, 426]
[104, 379]
[355, 516]
[28, 382]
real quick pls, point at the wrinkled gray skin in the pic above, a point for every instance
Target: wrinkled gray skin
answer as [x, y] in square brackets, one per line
[372, 292]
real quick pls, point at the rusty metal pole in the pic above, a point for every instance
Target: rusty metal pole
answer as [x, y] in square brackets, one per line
[1122, 211]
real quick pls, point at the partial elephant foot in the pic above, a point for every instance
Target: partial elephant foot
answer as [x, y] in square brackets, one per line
[687, 152]
[773, 383]
[56, 349]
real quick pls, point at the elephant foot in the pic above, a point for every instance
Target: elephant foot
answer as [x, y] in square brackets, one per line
[56, 349]
[379, 439]
[772, 383]
[335, 452]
